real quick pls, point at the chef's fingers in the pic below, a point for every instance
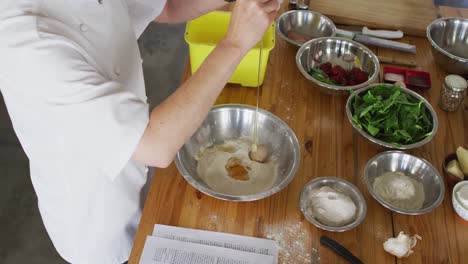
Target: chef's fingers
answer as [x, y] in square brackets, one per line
[271, 6]
[264, 1]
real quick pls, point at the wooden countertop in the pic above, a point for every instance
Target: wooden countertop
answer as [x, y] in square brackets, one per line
[329, 148]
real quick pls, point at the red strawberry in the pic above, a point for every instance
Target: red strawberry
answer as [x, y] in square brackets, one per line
[343, 81]
[361, 77]
[356, 70]
[326, 67]
[338, 70]
[335, 78]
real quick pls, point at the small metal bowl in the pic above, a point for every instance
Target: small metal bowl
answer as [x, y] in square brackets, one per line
[335, 50]
[378, 142]
[299, 26]
[449, 41]
[341, 186]
[231, 121]
[414, 167]
[459, 209]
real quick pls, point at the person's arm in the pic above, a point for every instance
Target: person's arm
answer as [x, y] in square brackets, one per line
[177, 11]
[177, 118]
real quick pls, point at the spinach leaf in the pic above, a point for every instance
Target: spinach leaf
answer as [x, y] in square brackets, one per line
[319, 75]
[390, 114]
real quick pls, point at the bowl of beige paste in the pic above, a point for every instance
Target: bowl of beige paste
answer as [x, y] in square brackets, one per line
[215, 160]
[404, 183]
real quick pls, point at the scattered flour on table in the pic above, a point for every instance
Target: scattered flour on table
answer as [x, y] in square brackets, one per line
[212, 218]
[293, 241]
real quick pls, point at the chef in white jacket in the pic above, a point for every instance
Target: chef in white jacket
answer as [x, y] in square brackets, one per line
[71, 75]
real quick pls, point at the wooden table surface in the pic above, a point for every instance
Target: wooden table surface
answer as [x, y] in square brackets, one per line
[329, 147]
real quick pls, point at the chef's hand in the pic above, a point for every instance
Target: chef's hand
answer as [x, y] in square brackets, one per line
[250, 19]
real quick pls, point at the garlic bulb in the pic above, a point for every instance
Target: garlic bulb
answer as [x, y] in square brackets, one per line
[401, 246]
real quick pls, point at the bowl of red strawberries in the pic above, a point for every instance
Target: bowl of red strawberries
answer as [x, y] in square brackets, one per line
[337, 65]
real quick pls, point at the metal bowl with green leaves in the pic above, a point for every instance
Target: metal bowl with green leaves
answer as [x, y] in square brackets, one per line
[392, 116]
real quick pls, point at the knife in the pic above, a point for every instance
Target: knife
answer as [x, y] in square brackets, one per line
[377, 42]
[339, 249]
[378, 33]
[385, 34]
[397, 61]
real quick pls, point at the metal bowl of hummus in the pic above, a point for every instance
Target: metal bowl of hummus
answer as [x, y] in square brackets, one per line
[215, 160]
[404, 183]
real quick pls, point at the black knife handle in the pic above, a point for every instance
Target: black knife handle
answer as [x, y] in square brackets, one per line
[339, 249]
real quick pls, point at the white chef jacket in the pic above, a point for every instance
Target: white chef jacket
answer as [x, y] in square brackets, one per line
[71, 76]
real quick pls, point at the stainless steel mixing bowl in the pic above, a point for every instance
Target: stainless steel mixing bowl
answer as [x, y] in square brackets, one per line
[335, 50]
[378, 142]
[414, 167]
[341, 186]
[449, 40]
[236, 121]
[299, 26]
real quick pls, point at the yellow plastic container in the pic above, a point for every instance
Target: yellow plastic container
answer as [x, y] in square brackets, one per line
[202, 35]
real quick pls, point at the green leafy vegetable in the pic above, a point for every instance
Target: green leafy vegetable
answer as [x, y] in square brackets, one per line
[390, 114]
[320, 76]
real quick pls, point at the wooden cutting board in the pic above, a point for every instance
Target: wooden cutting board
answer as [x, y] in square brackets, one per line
[410, 16]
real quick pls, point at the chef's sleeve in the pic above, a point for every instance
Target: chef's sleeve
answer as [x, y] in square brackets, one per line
[98, 123]
[142, 12]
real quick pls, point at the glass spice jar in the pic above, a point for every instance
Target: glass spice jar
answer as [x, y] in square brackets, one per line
[452, 93]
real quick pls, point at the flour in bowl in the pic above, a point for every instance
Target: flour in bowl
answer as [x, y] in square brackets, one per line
[227, 169]
[400, 190]
[331, 207]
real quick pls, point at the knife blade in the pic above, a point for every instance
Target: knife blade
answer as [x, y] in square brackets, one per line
[376, 42]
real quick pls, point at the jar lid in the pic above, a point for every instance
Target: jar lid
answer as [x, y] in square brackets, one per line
[456, 82]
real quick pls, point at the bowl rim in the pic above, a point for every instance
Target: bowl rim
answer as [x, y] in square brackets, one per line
[428, 209]
[435, 120]
[455, 201]
[371, 79]
[253, 197]
[352, 225]
[437, 47]
[296, 43]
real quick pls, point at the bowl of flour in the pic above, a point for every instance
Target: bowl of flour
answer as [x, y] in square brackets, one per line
[333, 204]
[404, 183]
[216, 159]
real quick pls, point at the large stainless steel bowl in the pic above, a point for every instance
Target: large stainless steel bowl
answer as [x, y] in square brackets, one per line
[335, 50]
[341, 186]
[236, 121]
[435, 120]
[414, 167]
[299, 26]
[449, 40]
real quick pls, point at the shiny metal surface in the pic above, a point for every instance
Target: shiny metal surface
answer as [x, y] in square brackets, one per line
[449, 41]
[334, 50]
[414, 167]
[459, 209]
[435, 121]
[304, 22]
[342, 186]
[236, 121]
